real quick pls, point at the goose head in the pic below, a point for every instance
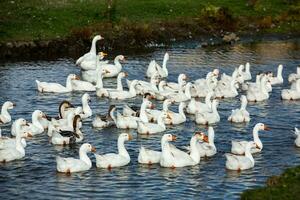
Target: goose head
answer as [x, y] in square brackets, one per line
[73, 77]
[201, 136]
[86, 98]
[9, 105]
[261, 126]
[125, 137]
[168, 137]
[86, 147]
[37, 114]
[216, 72]
[122, 74]
[149, 104]
[98, 37]
[120, 58]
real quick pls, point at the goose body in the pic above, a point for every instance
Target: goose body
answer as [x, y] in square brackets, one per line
[294, 76]
[177, 118]
[14, 152]
[112, 70]
[152, 128]
[104, 121]
[238, 147]
[236, 162]
[277, 79]
[197, 106]
[70, 165]
[112, 160]
[121, 95]
[291, 94]
[56, 87]
[240, 115]
[259, 94]
[4, 115]
[155, 68]
[209, 117]
[207, 149]
[297, 140]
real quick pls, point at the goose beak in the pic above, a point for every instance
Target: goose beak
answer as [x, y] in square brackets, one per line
[130, 137]
[29, 135]
[106, 71]
[169, 116]
[93, 150]
[257, 146]
[205, 138]
[14, 104]
[44, 116]
[174, 137]
[126, 74]
[266, 128]
[77, 78]
[76, 135]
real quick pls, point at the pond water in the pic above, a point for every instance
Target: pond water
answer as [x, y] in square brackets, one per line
[35, 175]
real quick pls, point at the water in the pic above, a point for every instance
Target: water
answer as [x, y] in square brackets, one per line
[35, 176]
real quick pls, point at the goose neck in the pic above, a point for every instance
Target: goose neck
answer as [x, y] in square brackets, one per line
[121, 148]
[119, 83]
[93, 46]
[194, 150]
[83, 156]
[143, 115]
[69, 83]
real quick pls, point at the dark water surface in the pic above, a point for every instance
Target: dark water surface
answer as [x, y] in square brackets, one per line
[35, 176]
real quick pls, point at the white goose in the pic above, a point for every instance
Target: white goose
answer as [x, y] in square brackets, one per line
[278, 79]
[294, 76]
[147, 156]
[6, 142]
[70, 165]
[227, 91]
[297, 133]
[182, 96]
[209, 117]
[177, 118]
[104, 92]
[207, 148]
[4, 115]
[182, 78]
[259, 94]
[80, 85]
[246, 74]
[56, 87]
[240, 115]
[87, 61]
[111, 160]
[87, 111]
[238, 147]
[235, 162]
[112, 70]
[151, 128]
[155, 68]
[33, 128]
[293, 93]
[153, 114]
[197, 106]
[121, 95]
[180, 158]
[17, 151]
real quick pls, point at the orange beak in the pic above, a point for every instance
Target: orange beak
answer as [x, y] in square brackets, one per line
[130, 137]
[77, 78]
[266, 128]
[126, 74]
[168, 116]
[152, 106]
[29, 135]
[93, 149]
[205, 138]
[174, 137]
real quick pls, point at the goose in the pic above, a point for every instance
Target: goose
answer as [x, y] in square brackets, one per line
[111, 160]
[33, 128]
[80, 85]
[291, 94]
[182, 96]
[278, 79]
[147, 87]
[238, 162]
[148, 156]
[71, 165]
[154, 67]
[153, 114]
[121, 95]
[62, 108]
[201, 90]
[151, 128]
[89, 66]
[207, 148]
[229, 91]
[226, 79]
[105, 121]
[135, 110]
[162, 93]
[180, 159]
[177, 118]
[129, 122]
[104, 92]
[203, 81]
[297, 133]
[6, 142]
[56, 87]
[17, 151]
[5, 116]
[246, 74]
[87, 111]
[64, 137]
[240, 115]
[197, 106]
[238, 147]
[259, 94]
[177, 86]
[294, 76]
[252, 85]
[87, 61]
[209, 117]
[112, 70]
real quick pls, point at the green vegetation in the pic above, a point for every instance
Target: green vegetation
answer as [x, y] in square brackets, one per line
[285, 186]
[50, 19]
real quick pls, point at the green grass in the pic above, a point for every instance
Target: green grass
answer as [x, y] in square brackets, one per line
[48, 19]
[285, 186]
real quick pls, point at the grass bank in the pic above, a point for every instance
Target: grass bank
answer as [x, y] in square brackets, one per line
[283, 187]
[136, 23]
